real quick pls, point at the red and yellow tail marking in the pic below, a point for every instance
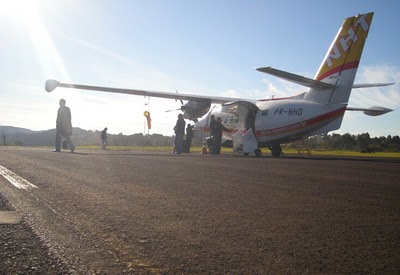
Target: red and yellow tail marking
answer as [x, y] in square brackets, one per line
[345, 52]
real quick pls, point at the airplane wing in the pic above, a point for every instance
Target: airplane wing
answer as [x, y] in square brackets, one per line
[298, 79]
[312, 83]
[372, 111]
[51, 84]
[371, 85]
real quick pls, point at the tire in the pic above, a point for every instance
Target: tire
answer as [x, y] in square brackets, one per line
[276, 150]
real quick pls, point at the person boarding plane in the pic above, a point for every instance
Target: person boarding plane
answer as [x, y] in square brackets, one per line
[272, 122]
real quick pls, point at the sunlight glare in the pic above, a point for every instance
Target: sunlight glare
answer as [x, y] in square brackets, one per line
[27, 12]
[20, 10]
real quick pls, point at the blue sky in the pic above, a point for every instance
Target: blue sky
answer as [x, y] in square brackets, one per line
[200, 47]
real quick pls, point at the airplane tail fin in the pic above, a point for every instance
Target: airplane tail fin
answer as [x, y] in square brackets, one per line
[341, 62]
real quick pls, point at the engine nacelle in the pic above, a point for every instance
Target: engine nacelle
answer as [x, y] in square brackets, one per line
[195, 109]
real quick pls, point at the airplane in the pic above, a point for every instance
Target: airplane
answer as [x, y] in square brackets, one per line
[268, 123]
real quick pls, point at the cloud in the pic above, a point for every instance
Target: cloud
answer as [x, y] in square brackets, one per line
[388, 96]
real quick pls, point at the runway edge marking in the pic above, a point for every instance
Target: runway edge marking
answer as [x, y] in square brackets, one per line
[16, 180]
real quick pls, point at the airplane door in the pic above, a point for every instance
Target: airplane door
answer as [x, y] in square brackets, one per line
[250, 119]
[239, 115]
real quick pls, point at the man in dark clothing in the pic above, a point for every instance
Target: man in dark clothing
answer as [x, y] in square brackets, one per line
[104, 138]
[212, 129]
[217, 136]
[63, 126]
[189, 136]
[179, 132]
[212, 125]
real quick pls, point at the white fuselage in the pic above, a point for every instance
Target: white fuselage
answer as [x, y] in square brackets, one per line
[280, 121]
[276, 121]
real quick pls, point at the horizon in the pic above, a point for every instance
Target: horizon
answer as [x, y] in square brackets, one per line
[144, 134]
[207, 48]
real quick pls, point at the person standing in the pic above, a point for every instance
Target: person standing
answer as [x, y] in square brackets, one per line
[104, 139]
[64, 126]
[217, 137]
[210, 140]
[189, 136]
[179, 133]
[212, 125]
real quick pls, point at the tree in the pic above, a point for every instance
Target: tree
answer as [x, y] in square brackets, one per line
[346, 142]
[363, 141]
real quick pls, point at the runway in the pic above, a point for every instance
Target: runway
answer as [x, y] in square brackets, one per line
[152, 212]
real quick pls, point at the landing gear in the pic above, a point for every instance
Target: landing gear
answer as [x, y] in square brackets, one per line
[276, 150]
[257, 152]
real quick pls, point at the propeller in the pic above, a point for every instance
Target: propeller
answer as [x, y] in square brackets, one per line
[167, 111]
[182, 108]
[179, 99]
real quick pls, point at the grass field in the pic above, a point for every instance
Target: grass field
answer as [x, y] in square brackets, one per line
[264, 151]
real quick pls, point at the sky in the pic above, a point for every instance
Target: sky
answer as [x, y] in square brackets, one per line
[208, 47]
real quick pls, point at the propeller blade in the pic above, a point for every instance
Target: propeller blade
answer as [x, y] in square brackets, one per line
[180, 99]
[173, 110]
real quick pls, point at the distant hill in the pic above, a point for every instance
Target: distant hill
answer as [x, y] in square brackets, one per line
[14, 130]
[24, 137]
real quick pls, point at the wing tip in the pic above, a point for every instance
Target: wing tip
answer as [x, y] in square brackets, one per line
[51, 85]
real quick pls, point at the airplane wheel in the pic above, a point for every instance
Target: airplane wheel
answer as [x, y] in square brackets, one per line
[257, 152]
[276, 150]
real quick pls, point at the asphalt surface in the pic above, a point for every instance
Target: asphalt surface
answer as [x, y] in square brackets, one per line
[155, 213]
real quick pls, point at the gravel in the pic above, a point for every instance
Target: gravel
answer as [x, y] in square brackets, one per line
[22, 252]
